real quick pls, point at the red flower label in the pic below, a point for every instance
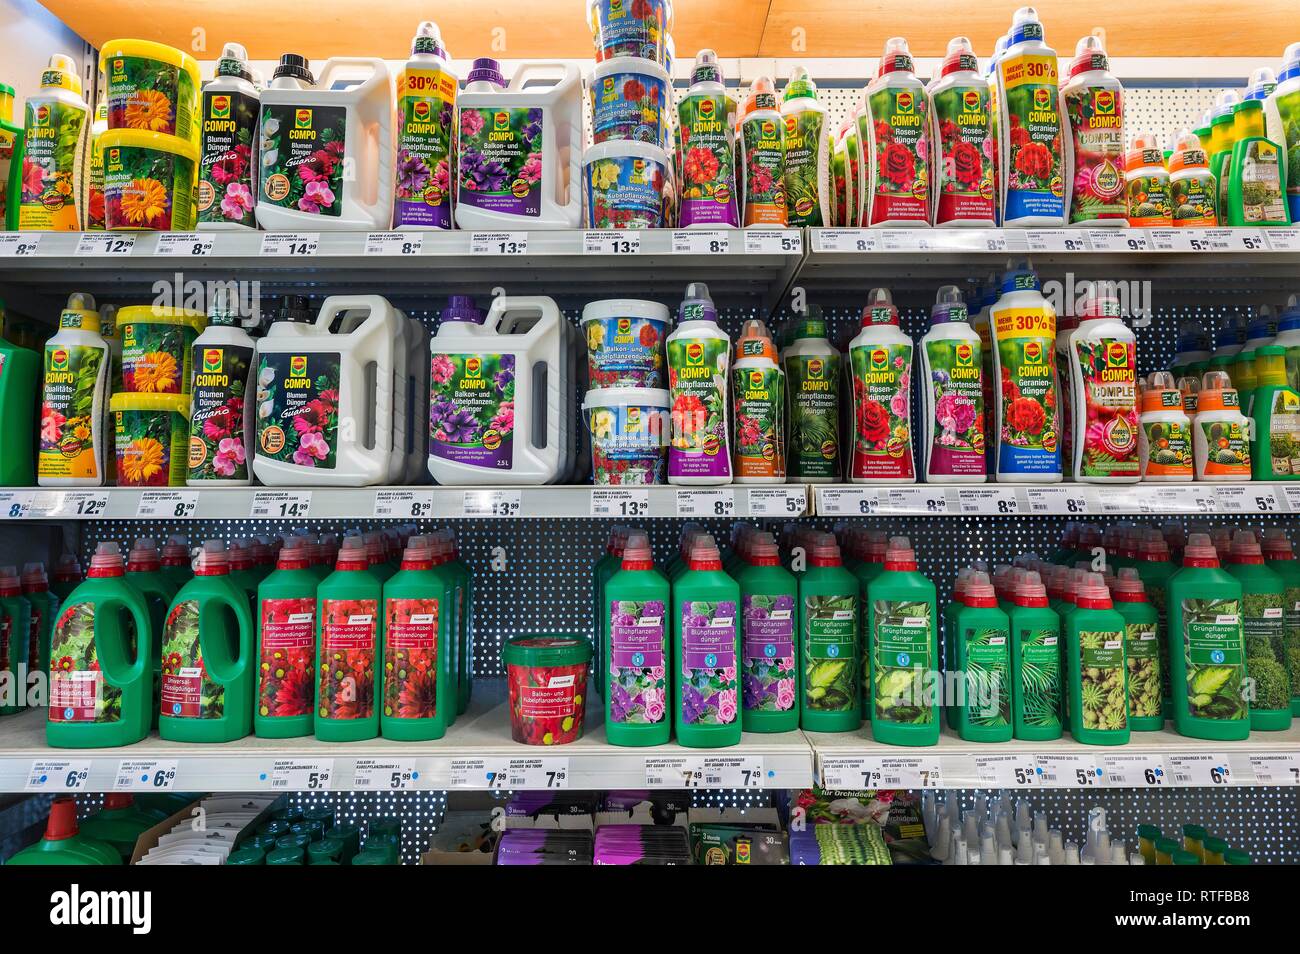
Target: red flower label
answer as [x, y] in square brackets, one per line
[411, 658]
[347, 663]
[288, 656]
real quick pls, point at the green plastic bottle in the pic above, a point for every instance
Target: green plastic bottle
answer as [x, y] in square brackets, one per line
[1141, 651]
[63, 843]
[144, 572]
[464, 577]
[829, 602]
[867, 548]
[440, 549]
[636, 651]
[100, 685]
[771, 675]
[15, 640]
[18, 394]
[418, 690]
[1069, 544]
[1281, 559]
[1263, 595]
[323, 554]
[948, 619]
[1096, 674]
[1275, 422]
[1155, 566]
[1257, 185]
[12, 150]
[207, 655]
[1207, 653]
[680, 563]
[982, 663]
[243, 570]
[265, 557]
[605, 567]
[67, 577]
[176, 560]
[349, 642]
[903, 650]
[706, 649]
[45, 610]
[120, 823]
[286, 645]
[1035, 662]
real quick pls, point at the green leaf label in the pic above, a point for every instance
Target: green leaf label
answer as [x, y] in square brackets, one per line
[830, 648]
[902, 660]
[1214, 654]
[1040, 678]
[814, 389]
[78, 689]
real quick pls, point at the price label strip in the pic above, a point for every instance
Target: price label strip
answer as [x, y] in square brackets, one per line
[1068, 771]
[492, 503]
[928, 500]
[773, 242]
[845, 240]
[290, 244]
[16, 504]
[1276, 768]
[701, 242]
[706, 503]
[177, 504]
[50, 775]
[531, 774]
[778, 501]
[1253, 499]
[293, 775]
[19, 244]
[1057, 500]
[882, 772]
[145, 775]
[184, 244]
[1135, 771]
[1120, 500]
[105, 243]
[988, 500]
[294, 504]
[1208, 769]
[847, 502]
[403, 504]
[612, 242]
[69, 503]
[498, 243]
[1283, 240]
[1118, 240]
[620, 503]
[1006, 771]
[385, 775]
[394, 243]
[1057, 240]
[705, 771]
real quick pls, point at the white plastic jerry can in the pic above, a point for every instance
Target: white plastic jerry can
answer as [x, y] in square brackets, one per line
[499, 403]
[325, 402]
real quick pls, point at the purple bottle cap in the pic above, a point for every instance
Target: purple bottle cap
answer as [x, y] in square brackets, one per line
[488, 70]
[462, 308]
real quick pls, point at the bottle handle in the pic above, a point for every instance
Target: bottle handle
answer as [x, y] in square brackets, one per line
[222, 667]
[114, 664]
[336, 305]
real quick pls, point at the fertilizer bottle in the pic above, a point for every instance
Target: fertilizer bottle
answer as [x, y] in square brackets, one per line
[829, 603]
[45, 609]
[228, 151]
[1103, 372]
[604, 568]
[807, 153]
[1092, 109]
[56, 133]
[961, 133]
[699, 354]
[286, 645]
[1096, 668]
[1035, 662]
[418, 690]
[63, 844]
[1142, 654]
[144, 571]
[426, 135]
[896, 169]
[952, 441]
[706, 651]
[1220, 432]
[880, 360]
[222, 405]
[15, 637]
[1155, 566]
[706, 141]
[1282, 116]
[349, 630]
[771, 668]
[1264, 627]
[1164, 432]
[637, 657]
[1282, 561]
[74, 445]
[21, 369]
[762, 158]
[812, 374]
[1258, 183]
[176, 560]
[1275, 423]
[982, 663]
[759, 408]
[903, 651]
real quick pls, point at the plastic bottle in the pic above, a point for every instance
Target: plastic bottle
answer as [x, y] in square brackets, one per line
[92, 200]
[221, 404]
[176, 560]
[418, 690]
[1164, 433]
[1027, 404]
[1036, 681]
[242, 564]
[1263, 595]
[99, 684]
[771, 668]
[74, 440]
[1097, 672]
[15, 638]
[463, 578]
[1275, 427]
[286, 645]
[349, 633]
[758, 391]
[1281, 560]
[21, 370]
[228, 148]
[813, 377]
[67, 577]
[903, 651]
[762, 158]
[144, 572]
[961, 131]
[120, 823]
[699, 353]
[426, 134]
[1147, 184]
[807, 153]
[981, 321]
[1103, 368]
[829, 603]
[637, 657]
[1192, 347]
[346, 113]
[706, 651]
[63, 844]
[706, 123]
[1192, 191]
[1257, 187]
[1092, 111]
[56, 130]
[1142, 653]
[880, 360]
[1281, 111]
[207, 656]
[980, 666]
[1207, 652]
[1155, 566]
[952, 395]
[601, 571]
[44, 610]
[896, 170]
[1242, 373]
[1222, 137]
[12, 149]
[1220, 432]
[1028, 99]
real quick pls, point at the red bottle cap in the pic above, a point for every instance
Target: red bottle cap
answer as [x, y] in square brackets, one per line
[62, 822]
[637, 554]
[118, 800]
[296, 554]
[900, 556]
[107, 561]
[35, 581]
[1128, 587]
[763, 550]
[418, 555]
[67, 569]
[1030, 590]
[144, 556]
[176, 552]
[1092, 592]
[704, 554]
[1245, 548]
[352, 555]
[1153, 547]
[212, 559]
[824, 551]
[10, 584]
[1200, 552]
[978, 590]
[1276, 546]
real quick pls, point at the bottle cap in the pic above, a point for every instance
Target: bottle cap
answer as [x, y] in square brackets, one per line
[62, 822]
[212, 559]
[762, 95]
[1245, 548]
[352, 555]
[418, 555]
[896, 57]
[1030, 590]
[1089, 55]
[761, 550]
[1128, 586]
[462, 308]
[800, 85]
[234, 62]
[1216, 392]
[296, 554]
[755, 341]
[107, 560]
[1200, 551]
[1091, 592]
[1020, 277]
[900, 555]
[1161, 393]
[704, 554]
[697, 305]
[880, 309]
[1277, 546]
[948, 306]
[707, 68]
[375, 549]
[144, 556]
[1189, 152]
[486, 70]
[978, 591]
[294, 66]
[239, 555]
[824, 551]
[960, 57]
[34, 578]
[637, 554]
[427, 39]
[1096, 303]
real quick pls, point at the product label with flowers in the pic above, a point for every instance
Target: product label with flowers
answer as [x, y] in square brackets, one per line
[302, 150]
[298, 408]
[759, 398]
[625, 192]
[1148, 195]
[78, 691]
[764, 154]
[501, 160]
[347, 662]
[1227, 448]
[708, 663]
[1035, 183]
[708, 161]
[901, 657]
[767, 678]
[150, 448]
[48, 202]
[882, 388]
[7, 142]
[546, 703]
[629, 105]
[625, 352]
[901, 151]
[963, 171]
[217, 450]
[1110, 440]
[814, 388]
[288, 657]
[627, 444]
[226, 159]
[956, 377]
[95, 199]
[1169, 448]
[629, 28]
[146, 93]
[411, 658]
[155, 357]
[830, 651]
[472, 409]
[1026, 339]
[638, 653]
[187, 689]
[67, 432]
[426, 117]
[697, 385]
[1096, 118]
[806, 167]
[148, 189]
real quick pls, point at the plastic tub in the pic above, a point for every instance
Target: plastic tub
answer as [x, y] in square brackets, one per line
[150, 181]
[156, 346]
[624, 184]
[151, 87]
[152, 434]
[547, 676]
[630, 100]
[629, 435]
[625, 342]
[631, 28]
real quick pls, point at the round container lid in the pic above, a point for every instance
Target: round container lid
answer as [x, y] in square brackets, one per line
[148, 49]
[161, 315]
[626, 397]
[543, 649]
[131, 401]
[626, 308]
[143, 139]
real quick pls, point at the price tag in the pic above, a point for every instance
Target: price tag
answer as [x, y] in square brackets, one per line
[773, 242]
[706, 503]
[492, 503]
[294, 775]
[705, 771]
[184, 244]
[388, 775]
[1292, 498]
[847, 501]
[1249, 499]
[1276, 768]
[1222, 240]
[105, 243]
[1135, 771]
[1197, 499]
[986, 240]
[612, 242]
[620, 503]
[403, 504]
[1057, 240]
[167, 503]
[1006, 771]
[1068, 771]
[19, 244]
[1155, 499]
[16, 504]
[988, 500]
[844, 240]
[1171, 240]
[477, 773]
[778, 501]
[1118, 240]
[548, 773]
[926, 499]
[498, 243]
[145, 775]
[1210, 769]
[1283, 240]
[1119, 500]
[701, 242]
[295, 504]
[394, 243]
[1057, 500]
[1246, 240]
[71, 503]
[290, 244]
[58, 776]
[883, 772]
[907, 240]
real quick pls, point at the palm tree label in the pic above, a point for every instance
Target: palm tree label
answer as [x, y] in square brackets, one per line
[814, 397]
[1040, 678]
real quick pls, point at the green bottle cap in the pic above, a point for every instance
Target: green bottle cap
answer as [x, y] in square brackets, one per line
[1215, 846]
[315, 829]
[1167, 846]
[275, 828]
[321, 814]
[1185, 858]
[372, 856]
[1196, 832]
[1149, 832]
[250, 855]
[295, 839]
[285, 856]
[327, 849]
[1235, 856]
